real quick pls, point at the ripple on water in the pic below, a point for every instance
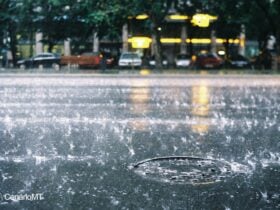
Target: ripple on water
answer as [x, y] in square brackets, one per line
[188, 170]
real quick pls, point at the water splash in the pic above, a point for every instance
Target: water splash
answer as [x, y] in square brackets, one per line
[188, 170]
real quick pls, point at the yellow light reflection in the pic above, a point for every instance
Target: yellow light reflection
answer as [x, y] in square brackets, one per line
[201, 126]
[139, 98]
[200, 108]
[200, 100]
[139, 125]
[145, 72]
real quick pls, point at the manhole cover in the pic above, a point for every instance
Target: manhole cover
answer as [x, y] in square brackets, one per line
[184, 170]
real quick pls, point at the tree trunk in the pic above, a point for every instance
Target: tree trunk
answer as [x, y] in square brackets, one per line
[277, 49]
[31, 37]
[226, 44]
[125, 38]
[213, 41]
[95, 42]
[13, 43]
[242, 39]
[67, 46]
[183, 45]
[157, 47]
[38, 43]
[50, 46]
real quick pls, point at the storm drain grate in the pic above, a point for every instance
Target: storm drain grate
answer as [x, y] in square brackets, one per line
[183, 170]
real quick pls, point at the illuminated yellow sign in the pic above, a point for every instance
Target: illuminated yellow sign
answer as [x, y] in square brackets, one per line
[140, 42]
[170, 40]
[203, 20]
[200, 41]
[144, 42]
[142, 17]
[178, 17]
[197, 41]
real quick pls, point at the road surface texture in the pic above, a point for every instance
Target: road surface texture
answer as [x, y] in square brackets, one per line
[139, 142]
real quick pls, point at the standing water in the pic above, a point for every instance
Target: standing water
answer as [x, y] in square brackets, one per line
[153, 142]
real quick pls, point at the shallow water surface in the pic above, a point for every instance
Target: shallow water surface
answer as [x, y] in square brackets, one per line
[158, 142]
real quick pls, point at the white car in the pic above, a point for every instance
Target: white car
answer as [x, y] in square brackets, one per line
[183, 60]
[130, 59]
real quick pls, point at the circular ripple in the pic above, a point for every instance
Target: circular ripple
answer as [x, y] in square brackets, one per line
[184, 170]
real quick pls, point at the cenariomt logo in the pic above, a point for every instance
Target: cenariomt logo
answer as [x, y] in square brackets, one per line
[21, 197]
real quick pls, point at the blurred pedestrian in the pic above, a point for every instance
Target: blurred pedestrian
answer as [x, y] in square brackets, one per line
[4, 53]
[103, 64]
[270, 43]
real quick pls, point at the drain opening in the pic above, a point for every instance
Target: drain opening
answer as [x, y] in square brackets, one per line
[183, 169]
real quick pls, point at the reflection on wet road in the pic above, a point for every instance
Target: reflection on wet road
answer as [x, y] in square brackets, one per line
[75, 138]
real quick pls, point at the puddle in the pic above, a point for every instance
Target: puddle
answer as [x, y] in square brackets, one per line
[187, 170]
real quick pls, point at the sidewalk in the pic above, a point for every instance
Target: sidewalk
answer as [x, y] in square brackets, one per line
[143, 71]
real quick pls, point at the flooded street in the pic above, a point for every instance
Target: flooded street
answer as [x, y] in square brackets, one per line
[140, 142]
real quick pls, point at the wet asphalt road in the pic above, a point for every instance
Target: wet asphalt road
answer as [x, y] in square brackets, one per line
[74, 138]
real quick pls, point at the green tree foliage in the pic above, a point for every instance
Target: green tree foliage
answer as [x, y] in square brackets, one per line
[264, 20]
[78, 19]
[62, 19]
[9, 22]
[157, 11]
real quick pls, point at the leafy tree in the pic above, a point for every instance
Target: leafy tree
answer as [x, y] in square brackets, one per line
[265, 15]
[77, 19]
[157, 11]
[9, 21]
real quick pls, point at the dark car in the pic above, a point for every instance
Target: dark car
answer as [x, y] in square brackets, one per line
[111, 60]
[238, 61]
[44, 59]
[209, 61]
[152, 61]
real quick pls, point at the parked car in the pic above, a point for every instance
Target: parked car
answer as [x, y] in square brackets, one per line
[209, 61]
[152, 61]
[43, 59]
[85, 60]
[238, 61]
[130, 59]
[183, 61]
[111, 60]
